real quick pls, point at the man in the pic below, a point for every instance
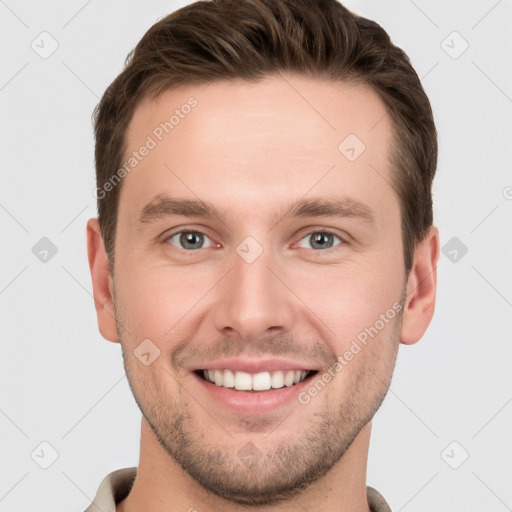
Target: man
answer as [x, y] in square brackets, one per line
[264, 244]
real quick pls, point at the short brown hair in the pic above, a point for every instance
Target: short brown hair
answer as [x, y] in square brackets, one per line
[216, 40]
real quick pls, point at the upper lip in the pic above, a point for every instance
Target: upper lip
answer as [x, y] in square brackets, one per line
[253, 365]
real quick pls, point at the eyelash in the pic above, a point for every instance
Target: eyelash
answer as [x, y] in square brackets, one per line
[322, 231]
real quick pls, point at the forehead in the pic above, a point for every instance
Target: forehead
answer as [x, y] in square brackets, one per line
[250, 144]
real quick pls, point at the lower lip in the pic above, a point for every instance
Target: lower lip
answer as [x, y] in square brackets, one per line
[253, 402]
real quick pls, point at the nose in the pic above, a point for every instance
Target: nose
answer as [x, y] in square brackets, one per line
[254, 300]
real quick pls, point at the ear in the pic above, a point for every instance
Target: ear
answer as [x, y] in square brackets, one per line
[421, 289]
[102, 283]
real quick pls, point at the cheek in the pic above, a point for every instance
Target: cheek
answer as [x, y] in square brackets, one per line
[352, 298]
[157, 302]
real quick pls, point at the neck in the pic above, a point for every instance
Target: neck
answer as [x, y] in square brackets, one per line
[162, 485]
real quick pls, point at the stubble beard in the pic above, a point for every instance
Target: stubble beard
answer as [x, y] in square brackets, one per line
[276, 474]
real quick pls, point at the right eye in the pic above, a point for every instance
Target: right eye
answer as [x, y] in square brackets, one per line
[189, 240]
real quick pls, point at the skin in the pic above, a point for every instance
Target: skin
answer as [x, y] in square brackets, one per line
[252, 149]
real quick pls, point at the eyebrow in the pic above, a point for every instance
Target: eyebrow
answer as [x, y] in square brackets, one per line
[163, 206]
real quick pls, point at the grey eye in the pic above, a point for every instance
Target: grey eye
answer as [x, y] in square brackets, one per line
[189, 240]
[320, 240]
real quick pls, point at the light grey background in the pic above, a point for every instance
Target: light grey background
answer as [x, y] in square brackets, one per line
[63, 384]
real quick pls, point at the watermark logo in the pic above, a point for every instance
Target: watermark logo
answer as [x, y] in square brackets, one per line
[44, 250]
[455, 455]
[454, 45]
[249, 249]
[45, 45]
[146, 352]
[44, 455]
[454, 249]
[351, 147]
[249, 454]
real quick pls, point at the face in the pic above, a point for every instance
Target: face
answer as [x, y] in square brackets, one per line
[294, 264]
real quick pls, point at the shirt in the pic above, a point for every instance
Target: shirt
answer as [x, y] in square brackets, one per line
[116, 486]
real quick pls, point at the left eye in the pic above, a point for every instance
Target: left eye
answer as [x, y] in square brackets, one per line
[321, 239]
[190, 240]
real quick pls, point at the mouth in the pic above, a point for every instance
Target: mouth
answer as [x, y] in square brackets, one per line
[255, 382]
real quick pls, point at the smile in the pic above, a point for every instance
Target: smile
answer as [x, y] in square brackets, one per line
[262, 381]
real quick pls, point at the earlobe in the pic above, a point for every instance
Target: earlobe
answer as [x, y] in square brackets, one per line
[421, 289]
[101, 282]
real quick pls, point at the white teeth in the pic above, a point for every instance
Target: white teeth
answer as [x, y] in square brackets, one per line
[277, 380]
[243, 381]
[228, 379]
[288, 380]
[262, 381]
[218, 377]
